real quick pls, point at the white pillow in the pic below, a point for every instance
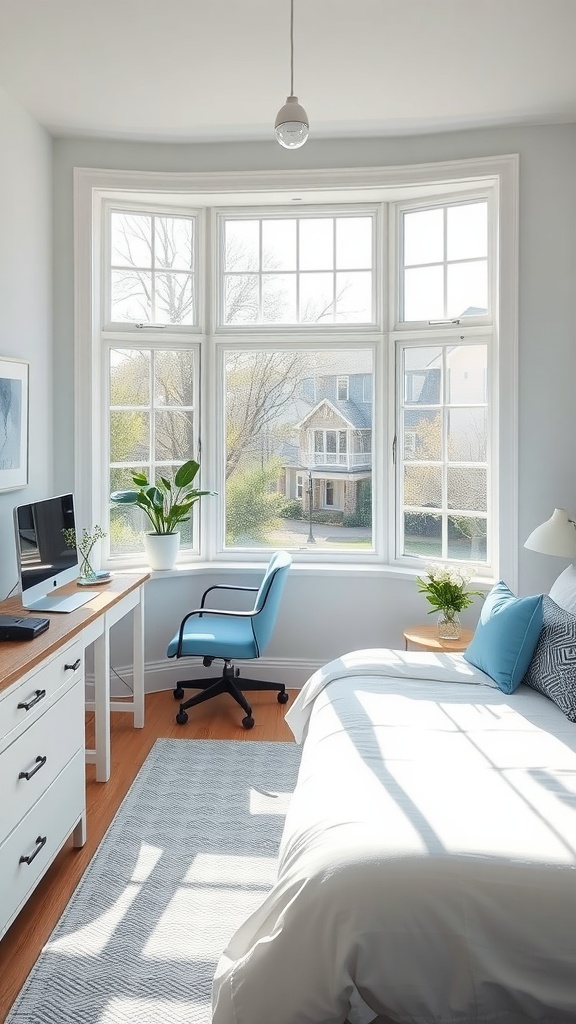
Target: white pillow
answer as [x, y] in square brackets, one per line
[563, 590]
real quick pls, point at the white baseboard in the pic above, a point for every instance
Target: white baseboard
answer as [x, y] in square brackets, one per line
[163, 675]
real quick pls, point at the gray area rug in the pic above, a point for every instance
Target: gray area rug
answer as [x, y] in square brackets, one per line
[190, 853]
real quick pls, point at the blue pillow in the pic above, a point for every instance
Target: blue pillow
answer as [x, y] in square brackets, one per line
[506, 636]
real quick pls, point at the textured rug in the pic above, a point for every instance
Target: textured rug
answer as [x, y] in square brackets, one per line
[190, 853]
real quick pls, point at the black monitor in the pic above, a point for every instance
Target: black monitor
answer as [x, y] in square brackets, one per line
[47, 555]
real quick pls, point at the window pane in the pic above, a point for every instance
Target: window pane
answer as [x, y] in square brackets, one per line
[174, 299]
[241, 245]
[279, 298]
[422, 535]
[467, 435]
[423, 486]
[129, 436]
[276, 437]
[424, 294]
[131, 240]
[467, 289]
[316, 298]
[174, 243]
[467, 231]
[129, 377]
[467, 538]
[131, 296]
[316, 243]
[422, 435]
[279, 245]
[174, 378]
[353, 243]
[422, 376]
[174, 435]
[467, 374]
[241, 299]
[444, 433]
[467, 489]
[127, 523]
[354, 297]
[423, 237]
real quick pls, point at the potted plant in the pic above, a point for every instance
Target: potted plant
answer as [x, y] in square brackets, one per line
[446, 589]
[167, 503]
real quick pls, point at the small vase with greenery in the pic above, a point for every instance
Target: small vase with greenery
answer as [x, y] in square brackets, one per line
[85, 545]
[167, 503]
[446, 589]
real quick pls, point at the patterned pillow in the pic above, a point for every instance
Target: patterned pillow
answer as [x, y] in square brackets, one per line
[552, 670]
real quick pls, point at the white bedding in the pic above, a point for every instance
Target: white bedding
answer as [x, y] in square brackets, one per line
[428, 864]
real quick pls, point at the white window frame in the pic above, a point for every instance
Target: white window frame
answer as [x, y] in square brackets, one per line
[380, 184]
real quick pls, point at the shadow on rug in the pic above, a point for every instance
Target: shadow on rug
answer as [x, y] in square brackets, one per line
[190, 853]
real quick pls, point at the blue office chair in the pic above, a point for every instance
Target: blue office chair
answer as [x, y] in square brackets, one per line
[210, 633]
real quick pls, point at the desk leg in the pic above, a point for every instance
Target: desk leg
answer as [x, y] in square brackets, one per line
[138, 661]
[102, 704]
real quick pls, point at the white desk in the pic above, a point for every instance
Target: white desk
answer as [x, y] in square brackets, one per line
[91, 624]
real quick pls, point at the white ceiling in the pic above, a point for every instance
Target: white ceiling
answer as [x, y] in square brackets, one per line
[201, 70]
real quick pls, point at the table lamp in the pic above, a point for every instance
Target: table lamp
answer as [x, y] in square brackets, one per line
[557, 536]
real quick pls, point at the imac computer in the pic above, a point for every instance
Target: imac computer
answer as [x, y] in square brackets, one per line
[46, 554]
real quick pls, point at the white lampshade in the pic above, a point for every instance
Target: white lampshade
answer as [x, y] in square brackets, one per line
[291, 125]
[557, 536]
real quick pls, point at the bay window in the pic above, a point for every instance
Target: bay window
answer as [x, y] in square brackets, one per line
[346, 353]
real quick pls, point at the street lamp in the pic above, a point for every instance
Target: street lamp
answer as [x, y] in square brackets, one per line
[310, 492]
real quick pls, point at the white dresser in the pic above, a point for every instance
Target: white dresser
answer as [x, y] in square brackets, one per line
[42, 773]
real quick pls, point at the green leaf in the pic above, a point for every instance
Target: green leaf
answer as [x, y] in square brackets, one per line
[124, 497]
[186, 473]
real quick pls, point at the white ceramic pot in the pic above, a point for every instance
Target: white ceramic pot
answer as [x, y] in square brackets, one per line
[161, 549]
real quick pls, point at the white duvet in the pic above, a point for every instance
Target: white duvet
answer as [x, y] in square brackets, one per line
[427, 870]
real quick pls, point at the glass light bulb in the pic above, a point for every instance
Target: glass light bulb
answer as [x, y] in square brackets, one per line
[291, 126]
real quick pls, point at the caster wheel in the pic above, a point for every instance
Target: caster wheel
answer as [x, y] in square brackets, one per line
[283, 698]
[248, 722]
[178, 693]
[181, 718]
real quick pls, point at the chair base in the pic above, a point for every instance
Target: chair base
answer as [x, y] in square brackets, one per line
[211, 687]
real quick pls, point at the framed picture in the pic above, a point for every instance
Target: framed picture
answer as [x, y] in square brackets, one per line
[13, 424]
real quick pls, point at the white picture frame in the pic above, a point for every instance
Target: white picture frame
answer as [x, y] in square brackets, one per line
[14, 374]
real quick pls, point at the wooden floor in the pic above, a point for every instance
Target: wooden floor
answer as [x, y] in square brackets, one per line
[217, 719]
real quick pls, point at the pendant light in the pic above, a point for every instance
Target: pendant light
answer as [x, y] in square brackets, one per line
[291, 125]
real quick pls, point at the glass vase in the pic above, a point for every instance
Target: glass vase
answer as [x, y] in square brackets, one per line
[449, 626]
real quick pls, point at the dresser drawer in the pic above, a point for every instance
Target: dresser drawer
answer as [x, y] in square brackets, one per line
[22, 704]
[38, 837]
[32, 763]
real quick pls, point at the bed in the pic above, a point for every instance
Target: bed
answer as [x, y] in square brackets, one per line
[427, 871]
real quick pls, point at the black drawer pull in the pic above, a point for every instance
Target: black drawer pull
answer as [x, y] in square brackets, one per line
[30, 704]
[40, 762]
[73, 667]
[40, 842]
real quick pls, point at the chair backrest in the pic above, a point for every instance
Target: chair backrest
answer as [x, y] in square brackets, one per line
[268, 598]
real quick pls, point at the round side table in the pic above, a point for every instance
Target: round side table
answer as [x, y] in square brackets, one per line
[426, 637]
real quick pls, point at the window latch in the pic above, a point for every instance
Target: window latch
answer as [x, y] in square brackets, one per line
[150, 327]
[394, 450]
[441, 323]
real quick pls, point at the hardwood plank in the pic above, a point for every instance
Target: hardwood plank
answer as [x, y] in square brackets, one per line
[217, 719]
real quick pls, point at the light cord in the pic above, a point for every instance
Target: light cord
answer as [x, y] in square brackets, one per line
[291, 47]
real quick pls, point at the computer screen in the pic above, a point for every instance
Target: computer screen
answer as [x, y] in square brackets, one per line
[46, 554]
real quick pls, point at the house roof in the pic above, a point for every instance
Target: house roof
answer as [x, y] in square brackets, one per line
[357, 416]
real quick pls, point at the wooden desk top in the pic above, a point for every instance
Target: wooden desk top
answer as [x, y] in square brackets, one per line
[20, 656]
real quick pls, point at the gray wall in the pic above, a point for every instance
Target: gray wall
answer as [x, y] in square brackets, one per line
[26, 299]
[324, 615]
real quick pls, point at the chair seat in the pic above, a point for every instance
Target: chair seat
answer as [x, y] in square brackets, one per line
[212, 635]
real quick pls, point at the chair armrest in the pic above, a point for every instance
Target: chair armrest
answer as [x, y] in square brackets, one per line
[210, 611]
[226, 586]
